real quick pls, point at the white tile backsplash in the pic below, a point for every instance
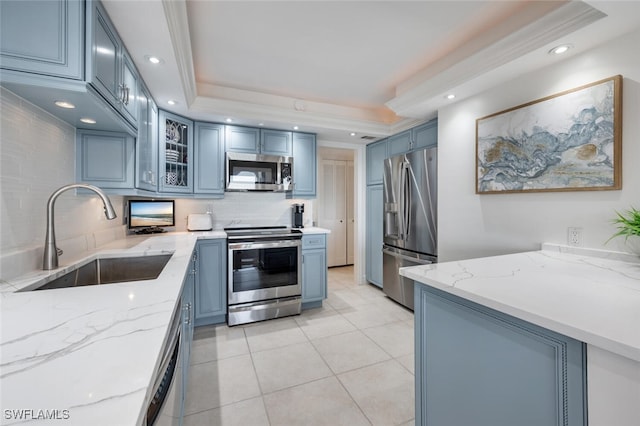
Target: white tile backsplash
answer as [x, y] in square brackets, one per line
[37, 157]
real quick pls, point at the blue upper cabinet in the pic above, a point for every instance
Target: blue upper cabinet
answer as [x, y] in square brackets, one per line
[376, 153]
[275, 142]
[105, 159]
[242, 139]
[304, 165]
[209, 159]
[147, 142]
[175, 135]
[425, 135]
[258, 141]
[69, 50]
[110, 70]
[400, 143]
[43, 37]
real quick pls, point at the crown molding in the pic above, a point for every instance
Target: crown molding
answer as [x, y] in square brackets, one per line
[557, 23]
[178, 23]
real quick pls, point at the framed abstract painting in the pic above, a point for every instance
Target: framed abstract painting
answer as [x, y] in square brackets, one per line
[570, 141]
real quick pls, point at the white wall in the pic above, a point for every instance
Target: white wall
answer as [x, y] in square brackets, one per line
[471, 225]
[37, 157]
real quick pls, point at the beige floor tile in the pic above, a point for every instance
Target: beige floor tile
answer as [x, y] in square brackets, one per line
[288, 366]
[218, 343]
[384, 392]
[322, 402]
[216, 383]
[322, 324]
[250, 412]
[407, 362]
[349, 351]
[367, 316]
[395, 338]
[273, 334]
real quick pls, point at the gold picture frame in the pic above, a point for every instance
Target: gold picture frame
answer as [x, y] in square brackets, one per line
[570, 141]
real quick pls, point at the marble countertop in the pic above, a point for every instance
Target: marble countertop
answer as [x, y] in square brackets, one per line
[590, 297]
[92, 351]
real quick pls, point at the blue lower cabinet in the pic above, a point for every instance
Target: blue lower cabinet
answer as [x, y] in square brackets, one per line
[211, 282]
[314, 270]
[476, 366]
[374, 238]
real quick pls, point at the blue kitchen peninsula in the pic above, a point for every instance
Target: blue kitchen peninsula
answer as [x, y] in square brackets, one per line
[548, 337]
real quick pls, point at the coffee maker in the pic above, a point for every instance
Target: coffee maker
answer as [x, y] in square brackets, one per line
[298, 210]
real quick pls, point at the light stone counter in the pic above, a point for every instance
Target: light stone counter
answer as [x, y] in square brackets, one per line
[89, 354]
[592, 299]
[589, 295]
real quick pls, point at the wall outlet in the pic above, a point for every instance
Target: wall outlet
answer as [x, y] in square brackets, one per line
[574, 236]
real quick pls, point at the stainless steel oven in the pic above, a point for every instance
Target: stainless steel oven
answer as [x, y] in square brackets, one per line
[265, 273]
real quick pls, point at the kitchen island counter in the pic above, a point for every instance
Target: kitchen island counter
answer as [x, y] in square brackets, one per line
[572, 317]
[88, 355]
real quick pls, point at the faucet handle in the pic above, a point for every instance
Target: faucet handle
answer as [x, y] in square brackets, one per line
[59, 251]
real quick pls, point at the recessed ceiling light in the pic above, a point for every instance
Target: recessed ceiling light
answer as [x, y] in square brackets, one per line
[88, 120]
[153, 59]
[65, 104]
[261, 124]
[229, 120]
[295, 127]
[171, 102]
[352, 133]
[558, 50]
[450, 96]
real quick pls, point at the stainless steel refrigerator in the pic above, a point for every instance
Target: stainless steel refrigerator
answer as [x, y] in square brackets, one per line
[410, 219]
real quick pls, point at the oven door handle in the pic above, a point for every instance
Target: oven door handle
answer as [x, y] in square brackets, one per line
[249, 245]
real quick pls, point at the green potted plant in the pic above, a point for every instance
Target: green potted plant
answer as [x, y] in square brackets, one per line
[628, 224]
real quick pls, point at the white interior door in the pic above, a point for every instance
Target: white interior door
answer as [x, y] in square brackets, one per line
[332, 210]
[351, 222]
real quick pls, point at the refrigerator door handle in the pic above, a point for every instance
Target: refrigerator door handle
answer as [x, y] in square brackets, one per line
[405, 257]
[407, 199]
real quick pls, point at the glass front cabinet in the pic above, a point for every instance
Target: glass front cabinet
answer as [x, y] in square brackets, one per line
[175, 153]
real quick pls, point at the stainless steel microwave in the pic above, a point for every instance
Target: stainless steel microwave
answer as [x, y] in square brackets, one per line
[256, 172]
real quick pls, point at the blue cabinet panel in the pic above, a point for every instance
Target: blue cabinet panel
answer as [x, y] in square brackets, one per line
[314, 268]
[242, 139]
[376, 153]
[211, 282]
[105, 159]
[374, 238]
[305, 169]
[476, 366]
[399, 144]
[425, 135]
[175, 144]
[43, 37]
[147, 143]
[275, 142]
[209, 158]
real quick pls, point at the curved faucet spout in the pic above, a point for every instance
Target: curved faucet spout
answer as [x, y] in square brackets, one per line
[51, 252]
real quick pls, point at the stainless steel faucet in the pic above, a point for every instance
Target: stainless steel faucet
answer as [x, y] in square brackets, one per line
[51, 252]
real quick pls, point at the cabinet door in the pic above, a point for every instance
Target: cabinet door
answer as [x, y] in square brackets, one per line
[304, 165]
[43, 37]
[399, 144]
[211, 282]
[105, 56]
[147, 143]
[275, 142]
[105, 159]
[376, 153]
[314, 275]
[374, 238]
[242, 139]
[175, 153]
[476, 366]
[128, 89]
[209, 158]
[425, 135]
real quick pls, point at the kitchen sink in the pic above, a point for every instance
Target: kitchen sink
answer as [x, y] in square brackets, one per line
[109, 271]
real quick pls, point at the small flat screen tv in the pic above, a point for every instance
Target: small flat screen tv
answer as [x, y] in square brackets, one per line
[149, 214]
